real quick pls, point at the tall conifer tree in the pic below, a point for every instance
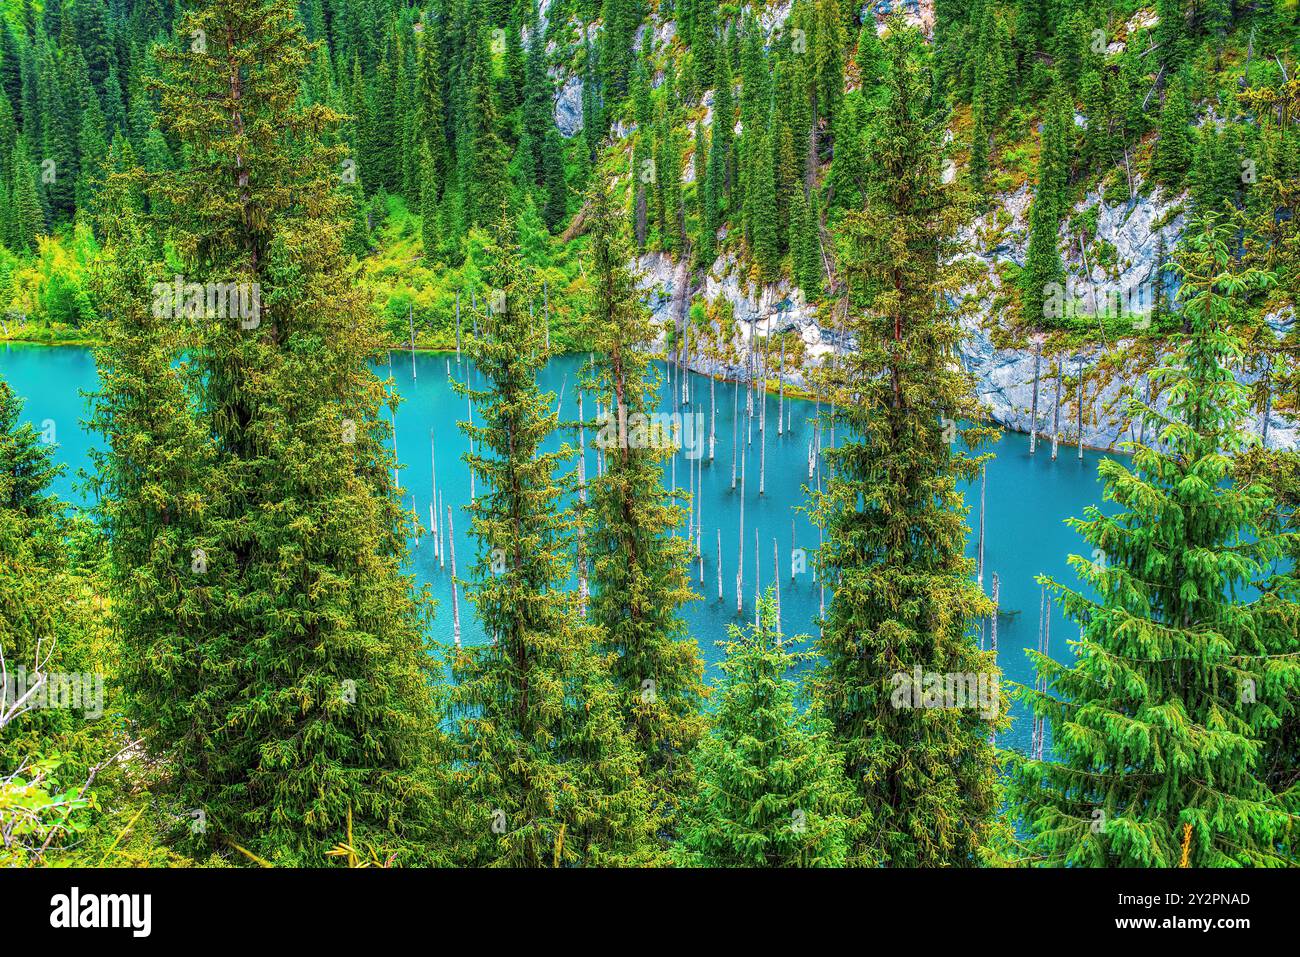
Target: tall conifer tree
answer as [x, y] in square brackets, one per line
[1160, 725]
[273, 645]
[1172, 157]
[1043, 264]
[483, 169]
[551, 773]
[639, 576]
[893, 516]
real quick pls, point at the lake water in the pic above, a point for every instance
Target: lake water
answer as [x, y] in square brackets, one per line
[1028, 497]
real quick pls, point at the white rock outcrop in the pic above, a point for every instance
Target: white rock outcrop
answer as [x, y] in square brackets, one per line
[1004, 377]
[568, 106]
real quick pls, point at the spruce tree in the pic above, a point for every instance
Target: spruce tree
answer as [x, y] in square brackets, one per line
[512, 74]
[552, 775]
[762, 189]
[1098, 146]
[273, 645]
[26, 463]
[706, 243]
[1172, 156]
[620, 19]
[772, 790]
[556, 209]
[893, 516]
[786, 168]
[849, 166]
[28, 215]
[359, 126]
[1159, 725]
[47, 626]
[484, 158]
[538, 91]
[8, 135]
[669, 169]
[1171, 33]
[1279, 472]
[805, 253]
[1127, 92]
[430, 238]
[978, 164]
[11, 79]
[720, 146]
[870, 57]
[640, 572]
[704, 41]
[93, 146]
[1214, 175]
[26, 467]
[429, 99]
[827, 51]
[385, 125]
[1057, 148]
[1043, 264]
[58, 158]
[990, 95]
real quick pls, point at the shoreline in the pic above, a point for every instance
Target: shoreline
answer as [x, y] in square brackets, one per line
[791, 392]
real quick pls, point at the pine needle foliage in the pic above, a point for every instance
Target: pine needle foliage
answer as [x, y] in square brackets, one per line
[892, 512]
[273, 642]
[773, 792]
[1181, 677]
[552, 777]
[640, 574]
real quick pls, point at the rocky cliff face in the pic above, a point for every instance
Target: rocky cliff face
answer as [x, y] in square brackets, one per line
[1112, 271]
[1004, 377]
[759, 310]
[1005, 381]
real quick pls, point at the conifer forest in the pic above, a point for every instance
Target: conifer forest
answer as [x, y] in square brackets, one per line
[559, 433]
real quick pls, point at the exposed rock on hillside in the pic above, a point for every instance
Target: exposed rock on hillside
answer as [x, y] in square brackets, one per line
[1004, 376]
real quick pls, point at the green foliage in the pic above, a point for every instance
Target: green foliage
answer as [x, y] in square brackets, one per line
[767, 251]
[1163, 725]
[1043, 265]
[639, 572]
[55, 720]
[557, 188]
[390, 162]
[721, 161]
[893, 519]
[556, 779]
[848, 168]
[773, 792]
[1173, 153]
[26, 218]
[484, 161]
[805, 242]
[226, 506]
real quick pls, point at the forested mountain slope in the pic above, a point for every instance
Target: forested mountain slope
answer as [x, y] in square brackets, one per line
[1123, 117]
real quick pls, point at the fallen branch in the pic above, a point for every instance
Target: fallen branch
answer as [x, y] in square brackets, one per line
[90, 780]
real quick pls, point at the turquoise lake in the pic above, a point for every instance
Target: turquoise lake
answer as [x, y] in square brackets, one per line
[1028, 497]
